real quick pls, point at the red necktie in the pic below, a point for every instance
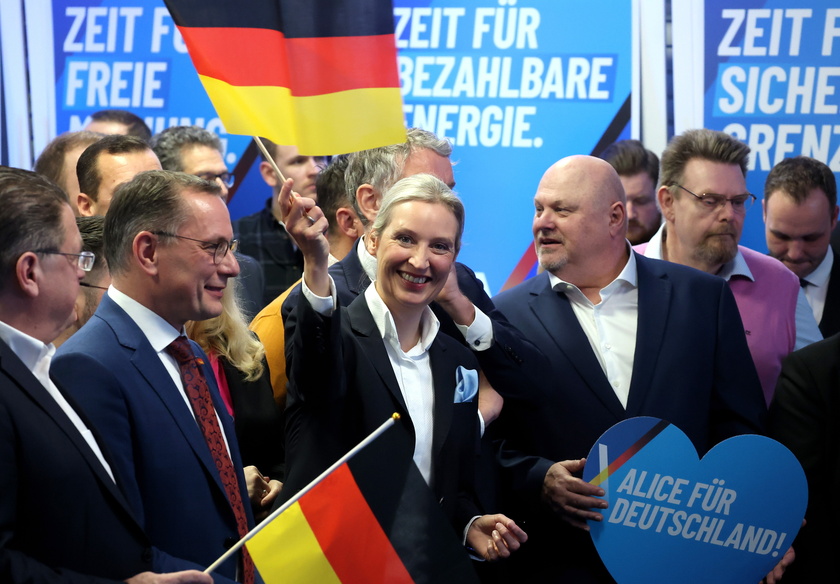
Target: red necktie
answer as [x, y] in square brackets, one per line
[199, 394]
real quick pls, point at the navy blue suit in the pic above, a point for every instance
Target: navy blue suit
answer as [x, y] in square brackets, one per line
[691, 367]
[62, 518]
[171, 480]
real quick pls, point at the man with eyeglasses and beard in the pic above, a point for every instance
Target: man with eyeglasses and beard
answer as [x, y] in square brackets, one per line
[703, 197]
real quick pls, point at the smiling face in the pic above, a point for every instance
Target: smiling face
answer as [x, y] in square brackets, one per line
[192, 285]
[696, 236]
[414, 253]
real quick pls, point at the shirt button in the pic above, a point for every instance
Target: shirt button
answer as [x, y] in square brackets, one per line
[477, 342]
[615, 383]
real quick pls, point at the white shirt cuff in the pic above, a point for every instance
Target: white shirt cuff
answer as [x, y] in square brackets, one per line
[323, 305]
[479, 335]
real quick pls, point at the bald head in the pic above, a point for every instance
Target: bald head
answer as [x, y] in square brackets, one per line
[594, 178]
[580, 221]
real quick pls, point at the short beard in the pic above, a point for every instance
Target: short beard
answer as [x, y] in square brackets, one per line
[552, 266]
[716, 253]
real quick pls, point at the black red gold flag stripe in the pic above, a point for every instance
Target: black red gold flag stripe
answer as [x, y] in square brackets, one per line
[373, 519]
[318, 74]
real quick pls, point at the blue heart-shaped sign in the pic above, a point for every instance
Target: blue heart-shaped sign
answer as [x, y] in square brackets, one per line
[729, 517]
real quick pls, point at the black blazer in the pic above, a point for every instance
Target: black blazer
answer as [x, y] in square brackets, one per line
[62, 518]
[342, 387]
[804, 417]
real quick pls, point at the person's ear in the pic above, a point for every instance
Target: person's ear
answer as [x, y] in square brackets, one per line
[348, 222]
[268, 174]
[666, 203]
[28, 274]
[86, 205]
[368, 201]
[144, 250]
[372, 243]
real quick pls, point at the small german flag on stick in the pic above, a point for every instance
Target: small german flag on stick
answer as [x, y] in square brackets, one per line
[369, 518]
[317, 74]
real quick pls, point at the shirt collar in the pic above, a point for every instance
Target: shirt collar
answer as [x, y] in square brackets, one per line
[159, 332]
[28, 349]
[627, 276]
[819, 277]
[429, 323]
[737, 266]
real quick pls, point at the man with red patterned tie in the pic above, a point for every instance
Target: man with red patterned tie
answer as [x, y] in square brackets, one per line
[149, 390]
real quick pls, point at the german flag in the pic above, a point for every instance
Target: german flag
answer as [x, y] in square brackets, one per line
[373, 519]
[317, 74]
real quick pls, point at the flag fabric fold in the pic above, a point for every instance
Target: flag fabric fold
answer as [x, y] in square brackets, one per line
[372, 519]
[318, 74]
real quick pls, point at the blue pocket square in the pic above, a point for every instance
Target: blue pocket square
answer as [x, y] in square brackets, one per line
[466, 384]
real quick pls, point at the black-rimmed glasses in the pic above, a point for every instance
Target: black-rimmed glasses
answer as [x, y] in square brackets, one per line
[712, 202]
[227, 178]
[219, 248]
[84, 259]
[86, 285]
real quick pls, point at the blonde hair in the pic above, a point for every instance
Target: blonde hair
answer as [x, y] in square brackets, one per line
[228, 336]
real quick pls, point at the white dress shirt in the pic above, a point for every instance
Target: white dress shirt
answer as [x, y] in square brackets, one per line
[609, 325]
[36, 356]
[412, 369]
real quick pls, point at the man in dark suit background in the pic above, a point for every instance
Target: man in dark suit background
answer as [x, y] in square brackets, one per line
[167, 241]
[63, 514]
[800, 212]
[622, 336]
[803, 417]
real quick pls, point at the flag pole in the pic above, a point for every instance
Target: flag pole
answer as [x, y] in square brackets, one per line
[269, 158]
[371, 437]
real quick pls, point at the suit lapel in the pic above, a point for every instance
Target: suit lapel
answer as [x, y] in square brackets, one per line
[16, 371]
[373, 348]
[554, 312]
[149, 366]
[443, 385]
[654, 305]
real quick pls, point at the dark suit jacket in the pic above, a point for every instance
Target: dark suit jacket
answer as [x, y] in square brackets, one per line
[830, 321]
[171, 480]
[691, 367]
[804, 417]
[342, 387]
[62, 518]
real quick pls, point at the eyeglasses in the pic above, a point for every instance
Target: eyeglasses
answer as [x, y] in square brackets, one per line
[220, 248]
[84, 260]
[227, 178]
[86, 285]
[712, 202]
